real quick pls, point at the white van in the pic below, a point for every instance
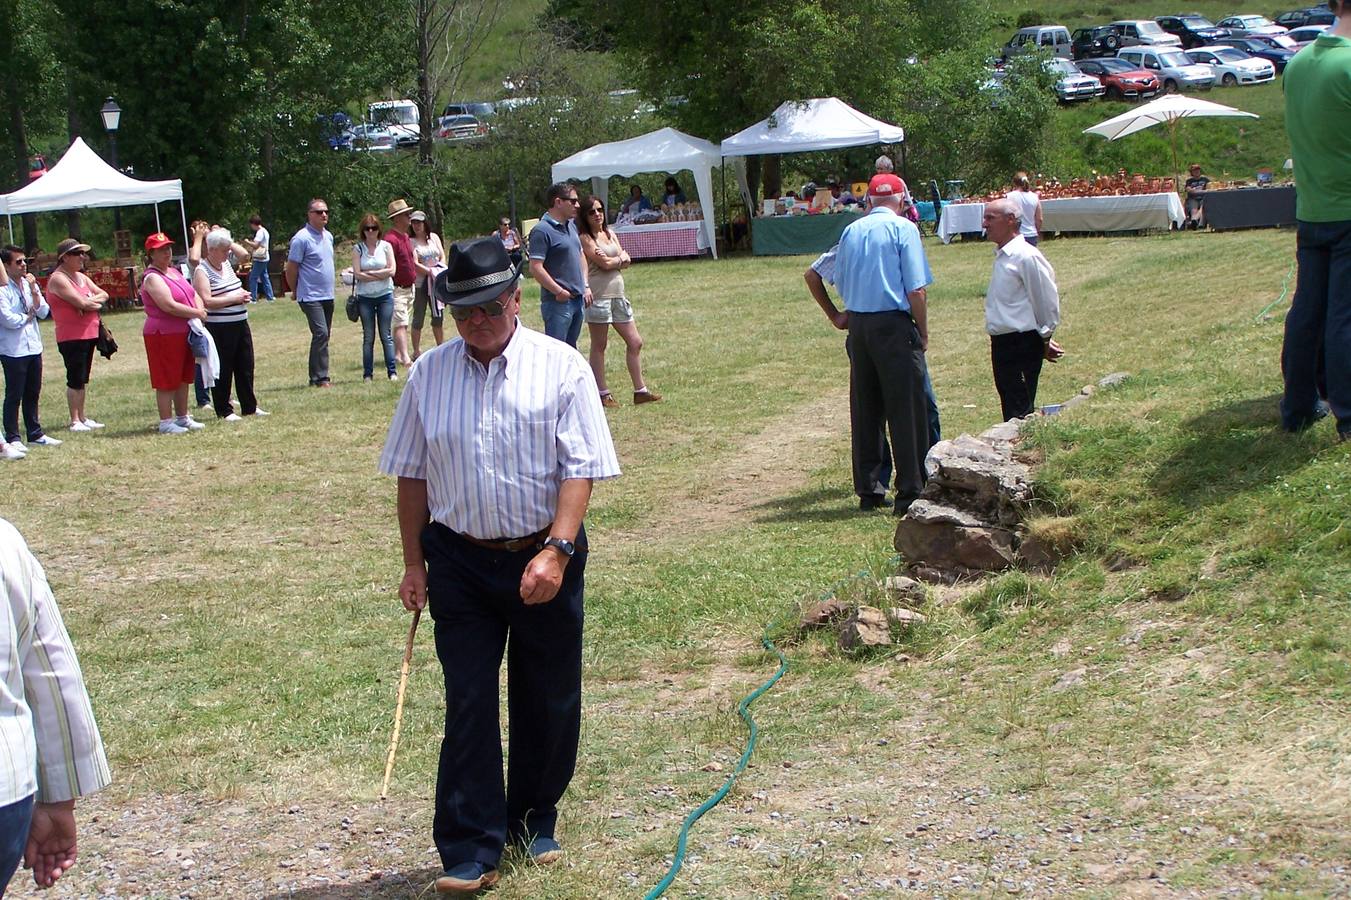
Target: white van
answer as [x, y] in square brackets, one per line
[1055, 38]
[398, 117]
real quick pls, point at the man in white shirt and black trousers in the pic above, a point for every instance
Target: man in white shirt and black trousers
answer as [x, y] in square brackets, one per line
[496, 441]
[1022, 310]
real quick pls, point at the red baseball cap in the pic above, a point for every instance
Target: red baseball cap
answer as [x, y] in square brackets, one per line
[886, 186]
[157, 240]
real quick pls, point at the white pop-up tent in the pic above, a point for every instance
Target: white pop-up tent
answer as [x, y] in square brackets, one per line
[663, 150]
[824, 123]
[82, 180]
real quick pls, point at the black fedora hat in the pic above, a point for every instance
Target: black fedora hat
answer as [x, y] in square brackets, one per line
[477, 271]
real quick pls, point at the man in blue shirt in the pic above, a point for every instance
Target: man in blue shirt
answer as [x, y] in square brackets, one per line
[881, 272]
[556, 263]
[21, 306]
[309, 271]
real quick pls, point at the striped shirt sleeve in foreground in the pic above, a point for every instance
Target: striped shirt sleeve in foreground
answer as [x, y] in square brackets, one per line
[49, 741]
[495, 443]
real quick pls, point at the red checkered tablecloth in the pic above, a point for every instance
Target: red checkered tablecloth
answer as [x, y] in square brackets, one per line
[666, 239]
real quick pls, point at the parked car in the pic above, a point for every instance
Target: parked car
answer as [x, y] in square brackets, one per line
[1313, 15]
[1089, 43]
[1122, 80]
[37, 167]
[1306, 34]
[1262, 47]
[460, 129]
[1176, 72]
[335, 129]
[1143, 33]
[1193, 29]
[372, 137]
[480, 109]
[1232, 66]
[1071, 84]
[1052, 38]
[1247, 26]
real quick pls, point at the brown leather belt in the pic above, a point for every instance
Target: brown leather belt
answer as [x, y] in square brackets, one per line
[511, 545]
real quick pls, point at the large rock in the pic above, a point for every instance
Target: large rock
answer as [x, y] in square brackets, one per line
[999, 490]
[868, 627]
[949, 538]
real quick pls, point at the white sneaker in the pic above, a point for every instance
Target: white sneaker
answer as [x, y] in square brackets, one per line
[393, 376]
[168, 426]
[202, 406]
[234, 417]
[261, 412]
[82, 426]
[189, 423]
[12, 452]
[92, 424]
[18, 445]
[47, 441]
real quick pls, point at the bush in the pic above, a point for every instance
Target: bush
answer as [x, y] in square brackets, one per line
[1030, 17]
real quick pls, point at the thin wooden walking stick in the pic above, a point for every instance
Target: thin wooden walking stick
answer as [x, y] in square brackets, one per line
[398, 706]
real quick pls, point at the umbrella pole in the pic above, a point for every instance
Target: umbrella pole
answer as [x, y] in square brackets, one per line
[1177, 171]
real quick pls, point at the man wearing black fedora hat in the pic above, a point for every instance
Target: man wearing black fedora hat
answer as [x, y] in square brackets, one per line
[495, 442]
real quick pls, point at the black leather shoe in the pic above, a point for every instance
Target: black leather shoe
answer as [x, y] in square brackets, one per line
[869, 502]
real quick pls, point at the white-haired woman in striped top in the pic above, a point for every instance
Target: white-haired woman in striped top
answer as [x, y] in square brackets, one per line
[227, 318]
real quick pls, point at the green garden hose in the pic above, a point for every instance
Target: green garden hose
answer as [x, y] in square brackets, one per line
[1285, 289]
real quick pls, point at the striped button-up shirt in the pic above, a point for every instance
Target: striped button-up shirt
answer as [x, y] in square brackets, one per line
[49, 742]
[495, 443]
[19, 335]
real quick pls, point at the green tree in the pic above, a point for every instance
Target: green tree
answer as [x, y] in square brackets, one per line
[31, 89]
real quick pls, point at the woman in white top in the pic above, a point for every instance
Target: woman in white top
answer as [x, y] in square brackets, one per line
[428, 253]
[609, 306]
[1028, 203]
[373, 278]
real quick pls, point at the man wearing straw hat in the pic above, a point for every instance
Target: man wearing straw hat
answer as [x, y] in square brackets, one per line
[495, 442]
[405, 275]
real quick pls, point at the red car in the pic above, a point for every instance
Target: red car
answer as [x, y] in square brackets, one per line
[1123, 80]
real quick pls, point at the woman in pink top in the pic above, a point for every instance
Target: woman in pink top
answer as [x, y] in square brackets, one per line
[75, 302]
[170, 303]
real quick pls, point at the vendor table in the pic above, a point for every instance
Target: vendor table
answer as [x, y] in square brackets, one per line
[788, 235]
[1133, 212]
[662, 239]
[1258, 207]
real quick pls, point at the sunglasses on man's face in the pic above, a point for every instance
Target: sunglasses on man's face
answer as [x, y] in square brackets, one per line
[493, 309]
[319, 212]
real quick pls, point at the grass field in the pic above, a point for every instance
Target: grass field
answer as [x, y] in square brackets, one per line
[1166, 714]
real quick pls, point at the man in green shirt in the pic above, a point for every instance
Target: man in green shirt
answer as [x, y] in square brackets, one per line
[1317, 86]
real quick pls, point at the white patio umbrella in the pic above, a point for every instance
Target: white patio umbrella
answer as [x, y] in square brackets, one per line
[1170, 110]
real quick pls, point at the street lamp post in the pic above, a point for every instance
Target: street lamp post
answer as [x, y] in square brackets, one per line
[111, 114]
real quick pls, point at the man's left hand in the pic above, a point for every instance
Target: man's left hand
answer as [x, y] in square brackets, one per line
[51, 848]
[542, 578]
[1053, 351]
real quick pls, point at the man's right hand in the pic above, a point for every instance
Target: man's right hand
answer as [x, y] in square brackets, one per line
[840, 319]
[51, 846]
[563, 296]
[413, 588]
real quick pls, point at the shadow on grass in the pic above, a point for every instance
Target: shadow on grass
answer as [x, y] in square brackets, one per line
[820, 505]
[1229, 450]
[392, 886]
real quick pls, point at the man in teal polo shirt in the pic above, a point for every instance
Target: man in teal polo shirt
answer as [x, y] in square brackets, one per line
[881, 272]
[1317, 86]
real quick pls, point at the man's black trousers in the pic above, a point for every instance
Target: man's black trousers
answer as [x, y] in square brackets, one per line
[474, 597]
[1016, 359]
[886, 386]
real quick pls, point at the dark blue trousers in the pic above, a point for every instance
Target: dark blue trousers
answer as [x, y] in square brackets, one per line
[14, 821]
[1319, 326]
[474, 597]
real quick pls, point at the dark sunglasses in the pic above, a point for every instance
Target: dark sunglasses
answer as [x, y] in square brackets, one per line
[371, 228]
[322, 212]
[493, 308]
[573, 200]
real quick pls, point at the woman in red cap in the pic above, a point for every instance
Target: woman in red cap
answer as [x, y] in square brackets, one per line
[170, 303]
[75, 310]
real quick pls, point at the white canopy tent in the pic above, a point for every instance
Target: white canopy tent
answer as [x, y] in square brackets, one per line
[663, 150]
[824, 123]
[82, 180]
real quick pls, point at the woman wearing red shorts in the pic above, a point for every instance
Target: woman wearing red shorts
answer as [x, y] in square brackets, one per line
[170, 303]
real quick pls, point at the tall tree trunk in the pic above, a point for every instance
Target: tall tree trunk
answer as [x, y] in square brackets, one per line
[423, 10]
[18, 133]
[773, 175]
[267, 159]
[73, 130]
[753, 180]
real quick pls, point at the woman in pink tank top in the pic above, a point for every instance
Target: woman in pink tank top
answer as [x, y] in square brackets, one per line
[170, 304]
[75, 302]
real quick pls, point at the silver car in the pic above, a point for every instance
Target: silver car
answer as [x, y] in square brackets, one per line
[1248, 25]
[1175, 69]
[1071, 84]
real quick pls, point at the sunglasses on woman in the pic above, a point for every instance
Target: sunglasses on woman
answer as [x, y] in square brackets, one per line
[493, 309]
[371, 228]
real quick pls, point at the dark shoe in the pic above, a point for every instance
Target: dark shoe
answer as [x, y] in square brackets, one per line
[646, 397]
[869, 502]
[467, 878]
[544, 851]
[902, 505]
[608, 401]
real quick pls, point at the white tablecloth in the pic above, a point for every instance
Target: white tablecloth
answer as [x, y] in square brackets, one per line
[1130, 213]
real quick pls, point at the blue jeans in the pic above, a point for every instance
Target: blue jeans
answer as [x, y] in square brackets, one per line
[562, 321]
[203, 394]
[14, 822]
[260, 277]
[1319, 325]
[376, 310]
